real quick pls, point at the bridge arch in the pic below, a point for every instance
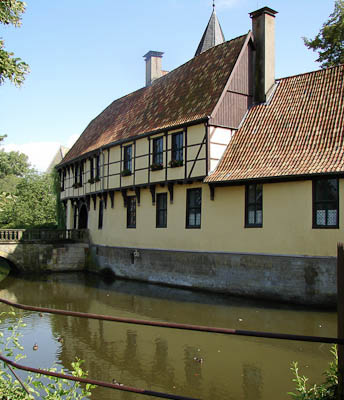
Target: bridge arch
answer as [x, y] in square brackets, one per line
[11, 261]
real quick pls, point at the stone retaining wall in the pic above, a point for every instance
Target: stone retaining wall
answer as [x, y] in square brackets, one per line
[297, 279]
[38, 257]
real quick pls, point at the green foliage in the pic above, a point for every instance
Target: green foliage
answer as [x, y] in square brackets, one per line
[11, 68]
[39, 386]
[33, 204]
[329, 42]
[13, 163]
[324, 391]
[27, 198]
[60, 211]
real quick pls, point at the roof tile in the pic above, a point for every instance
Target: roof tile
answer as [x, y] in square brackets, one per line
[186, 94]
[299, 132]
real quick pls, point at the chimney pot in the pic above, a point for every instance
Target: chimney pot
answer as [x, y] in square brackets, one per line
[153, 66]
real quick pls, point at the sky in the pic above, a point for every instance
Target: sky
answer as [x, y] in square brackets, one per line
[84, 54]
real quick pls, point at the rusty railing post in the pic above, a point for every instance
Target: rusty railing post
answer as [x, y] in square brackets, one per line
[340, 318]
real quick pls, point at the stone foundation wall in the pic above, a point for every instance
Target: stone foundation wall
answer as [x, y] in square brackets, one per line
[296, 279]
[37, 257]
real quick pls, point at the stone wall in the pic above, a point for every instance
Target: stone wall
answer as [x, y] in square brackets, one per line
[297, 279]
[38, 257]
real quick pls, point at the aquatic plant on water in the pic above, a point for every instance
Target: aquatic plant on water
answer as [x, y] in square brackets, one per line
[39, 386]
[323, 391]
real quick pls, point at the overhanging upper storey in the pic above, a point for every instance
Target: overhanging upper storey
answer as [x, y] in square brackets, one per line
[189, 93]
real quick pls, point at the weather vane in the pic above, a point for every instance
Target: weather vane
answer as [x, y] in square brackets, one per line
[213, 4]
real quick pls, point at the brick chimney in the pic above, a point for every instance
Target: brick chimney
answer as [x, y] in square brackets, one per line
[263, 28]
[153, 66]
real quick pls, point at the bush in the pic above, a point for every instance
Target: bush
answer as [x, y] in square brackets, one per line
[324, 391]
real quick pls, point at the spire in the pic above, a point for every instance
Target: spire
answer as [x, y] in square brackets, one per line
[212, 35]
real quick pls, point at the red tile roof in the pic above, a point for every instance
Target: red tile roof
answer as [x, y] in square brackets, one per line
[299, 132]
[186, 94]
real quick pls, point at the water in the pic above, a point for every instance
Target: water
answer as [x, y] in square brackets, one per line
[159, 359]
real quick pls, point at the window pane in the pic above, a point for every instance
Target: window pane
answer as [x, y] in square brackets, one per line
[131, 212]
[332, 218]
[193, 212]
[158, 150]
[251, 217]
[251, 194]
[127, 157]
[177, 146]
[321, 217]
[259, 216]
[254, 205]
[326, 202]
[161, 213]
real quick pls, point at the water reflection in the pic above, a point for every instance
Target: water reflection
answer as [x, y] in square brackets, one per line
[202, 365]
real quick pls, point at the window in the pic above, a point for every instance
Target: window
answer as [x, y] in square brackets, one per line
[131, 212]
[158, 145]
[97, 167]
[161, 210]
[325, 203]
[91, 169]
[81, 172]
[100, 215]
[127, 164]
[193, 208]
[177, 147]
[254, 206]
[76, 173]
[75, 217]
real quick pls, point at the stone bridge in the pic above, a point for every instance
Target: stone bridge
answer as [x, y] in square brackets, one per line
[44, 250]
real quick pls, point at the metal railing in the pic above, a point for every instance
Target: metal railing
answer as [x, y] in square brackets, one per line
[42, 235]
[269, 335]
[198, 328]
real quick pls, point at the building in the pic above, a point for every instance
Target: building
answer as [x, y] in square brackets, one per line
[216, 175]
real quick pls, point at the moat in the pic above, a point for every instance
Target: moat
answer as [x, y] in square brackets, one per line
[233, 367]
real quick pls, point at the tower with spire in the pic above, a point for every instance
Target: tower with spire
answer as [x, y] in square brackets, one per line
[212, 35]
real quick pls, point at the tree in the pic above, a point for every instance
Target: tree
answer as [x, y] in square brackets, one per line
[13, 166]
[32, 205]
[329, 42]
[12, 68]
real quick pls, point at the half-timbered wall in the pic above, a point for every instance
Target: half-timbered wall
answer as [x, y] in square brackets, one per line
[111, 165]
[218, 141]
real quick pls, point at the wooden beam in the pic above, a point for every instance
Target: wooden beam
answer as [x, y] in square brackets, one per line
[138, 195]
[112, 198]
[94, 198]
[125, 197]
[152, 190]
[170, 189]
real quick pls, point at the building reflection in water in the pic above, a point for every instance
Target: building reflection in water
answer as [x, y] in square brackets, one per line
[201, 365]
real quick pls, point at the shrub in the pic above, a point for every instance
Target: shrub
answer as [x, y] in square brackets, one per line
[324, 391]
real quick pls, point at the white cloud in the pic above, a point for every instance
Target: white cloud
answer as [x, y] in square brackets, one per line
[40, 153]
[72, 139]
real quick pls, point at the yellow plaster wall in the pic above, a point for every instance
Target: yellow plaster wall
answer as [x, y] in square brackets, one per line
[287, 222]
